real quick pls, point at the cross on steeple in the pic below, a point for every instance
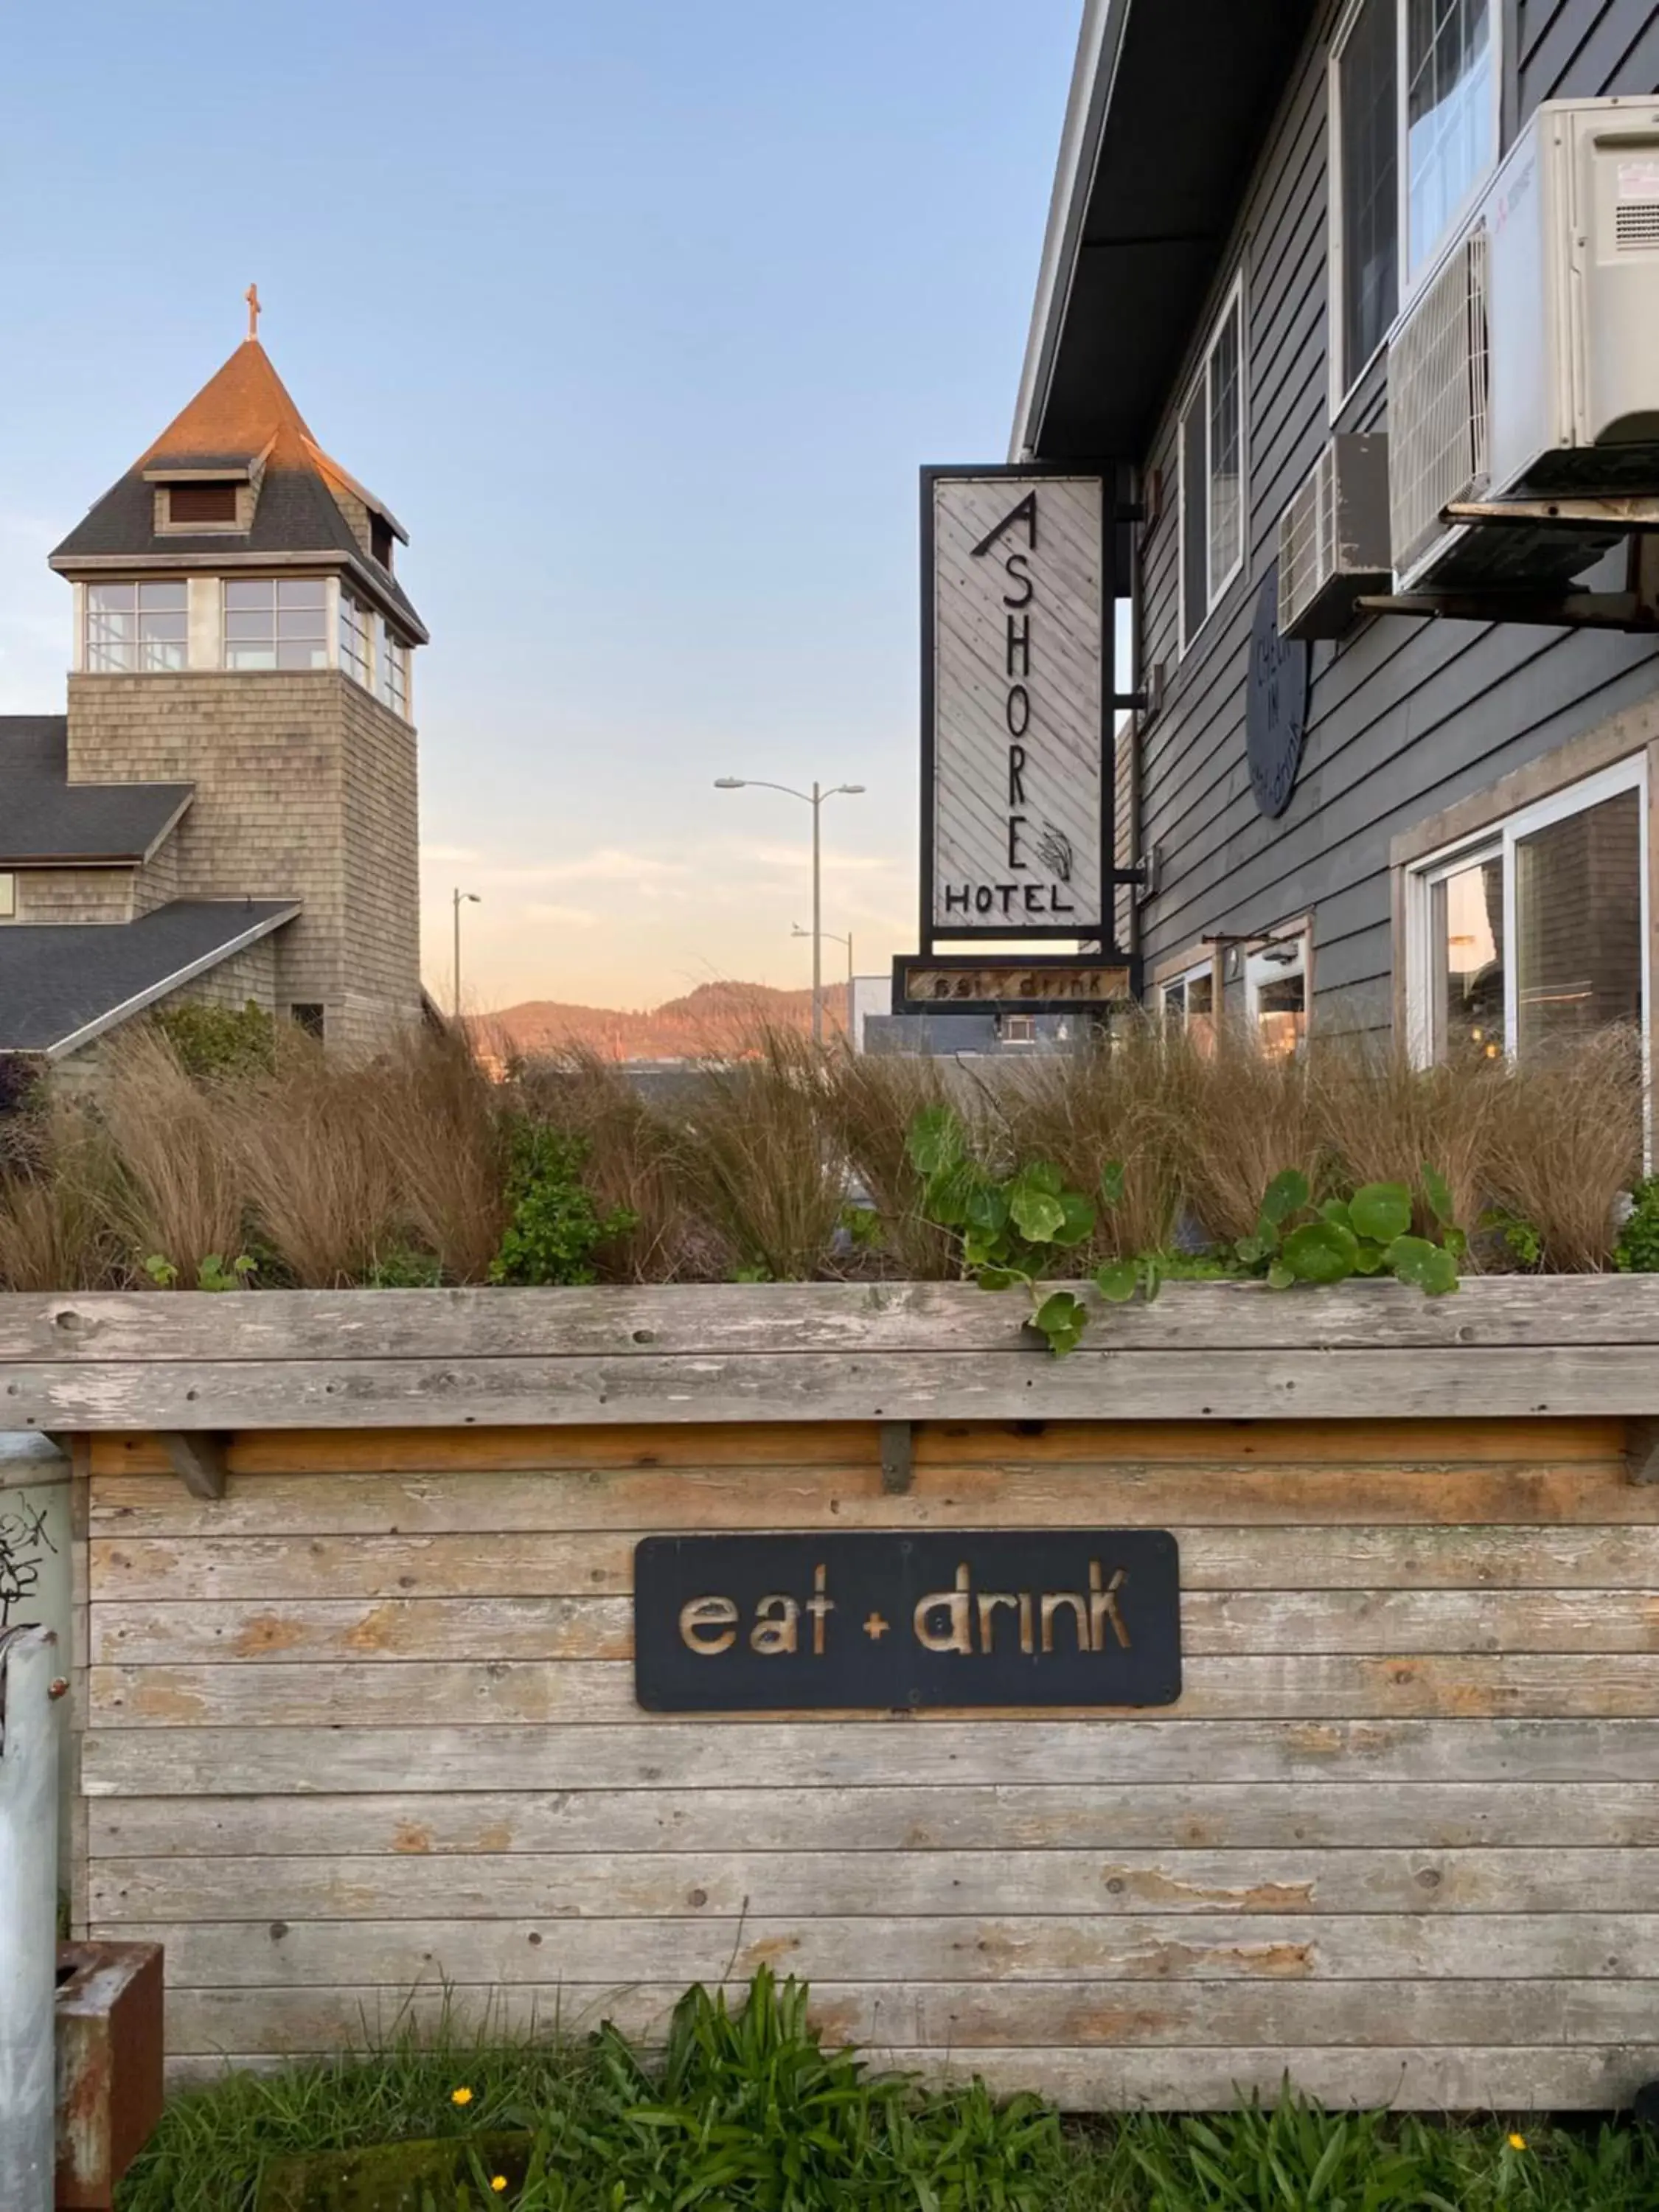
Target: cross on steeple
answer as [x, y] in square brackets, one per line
[251, 295]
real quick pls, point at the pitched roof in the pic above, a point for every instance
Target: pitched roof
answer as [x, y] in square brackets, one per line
[62, 984]
[242, 417]
[45, 817]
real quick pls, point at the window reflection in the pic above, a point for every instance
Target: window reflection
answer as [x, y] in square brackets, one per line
[1466, 924]
[1578, 919]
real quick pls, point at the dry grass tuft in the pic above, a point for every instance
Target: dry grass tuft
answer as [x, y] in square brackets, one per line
[759, 1158]
[1564, 1141]
[1236, 1118]
[440, 1124]
[1377, 1118]
[869, 1103]
[1125, 1099]
[58, 1175]
[311, 1145]
[180, 1192]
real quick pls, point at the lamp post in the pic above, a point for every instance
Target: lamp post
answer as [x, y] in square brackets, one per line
[815, 799]
[835, 937]
[458, 899]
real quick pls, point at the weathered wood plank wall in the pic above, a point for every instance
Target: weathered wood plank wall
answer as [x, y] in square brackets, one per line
[367, 1720]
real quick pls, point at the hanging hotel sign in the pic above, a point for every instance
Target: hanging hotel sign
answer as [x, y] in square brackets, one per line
[979, 982]
[1016, 725]
[889, 1621]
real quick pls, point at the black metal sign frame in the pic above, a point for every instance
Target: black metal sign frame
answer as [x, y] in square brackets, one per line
[1102, 928]
[901, 1620]
[1036, 966]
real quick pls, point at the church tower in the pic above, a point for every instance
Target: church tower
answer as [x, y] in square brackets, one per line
[241, 636]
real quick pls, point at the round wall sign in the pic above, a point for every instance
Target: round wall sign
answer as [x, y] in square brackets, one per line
[1275, 703]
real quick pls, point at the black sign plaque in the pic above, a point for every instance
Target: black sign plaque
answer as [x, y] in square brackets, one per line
[891, 1621]
[1275, 704]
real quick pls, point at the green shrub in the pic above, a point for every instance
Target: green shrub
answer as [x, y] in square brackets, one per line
[554, 1227]
[1637, 1252]
[213, 1041]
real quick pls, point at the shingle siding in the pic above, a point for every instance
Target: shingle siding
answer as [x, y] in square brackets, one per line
[305, 788]
[1404, 718]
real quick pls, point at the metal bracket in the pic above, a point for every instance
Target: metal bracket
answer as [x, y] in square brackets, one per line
[197, 1459]
[1634, 609]
[897, 1467]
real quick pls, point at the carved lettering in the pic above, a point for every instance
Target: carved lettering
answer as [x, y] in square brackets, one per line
[708, 1626]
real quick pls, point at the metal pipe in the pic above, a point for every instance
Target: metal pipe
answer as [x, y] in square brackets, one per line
[818, 920]
[28, 1916]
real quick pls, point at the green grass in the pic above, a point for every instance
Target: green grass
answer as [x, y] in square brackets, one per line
[742, 2108]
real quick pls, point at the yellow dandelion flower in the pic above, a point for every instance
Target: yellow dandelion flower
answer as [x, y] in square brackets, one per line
[460, 2096]
[1518, 2142]
[498, 2182]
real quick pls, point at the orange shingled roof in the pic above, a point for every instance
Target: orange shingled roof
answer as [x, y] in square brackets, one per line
[240, 410]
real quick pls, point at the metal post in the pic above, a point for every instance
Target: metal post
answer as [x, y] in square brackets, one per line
[28, 1917]
[818, 920]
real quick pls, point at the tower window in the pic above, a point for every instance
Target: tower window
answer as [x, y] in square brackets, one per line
[357, 643]
[136, 629]
[277, 622]
[394, 671]
[202, 502]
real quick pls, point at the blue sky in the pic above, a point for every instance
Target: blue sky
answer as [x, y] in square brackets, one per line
[641, 315]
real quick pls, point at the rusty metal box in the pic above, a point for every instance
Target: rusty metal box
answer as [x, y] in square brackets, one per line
[109, 2065]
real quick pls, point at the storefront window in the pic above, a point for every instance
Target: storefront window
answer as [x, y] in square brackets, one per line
[1276, 995]
[1536, 937]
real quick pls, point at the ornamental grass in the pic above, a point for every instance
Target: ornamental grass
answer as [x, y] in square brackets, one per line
[774, 1159]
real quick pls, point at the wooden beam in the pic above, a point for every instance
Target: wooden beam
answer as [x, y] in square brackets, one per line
[898, 1469]
[199, 1460]
[1642, 1449]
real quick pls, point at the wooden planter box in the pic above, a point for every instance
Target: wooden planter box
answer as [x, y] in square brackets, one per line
[356, 1688]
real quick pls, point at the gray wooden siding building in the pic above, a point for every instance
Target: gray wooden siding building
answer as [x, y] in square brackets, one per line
[1250, 194]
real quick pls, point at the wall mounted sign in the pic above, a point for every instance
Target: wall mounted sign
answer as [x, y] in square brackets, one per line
[974, 983]
[888, 1621]
[1016, 713]
[1275, 703]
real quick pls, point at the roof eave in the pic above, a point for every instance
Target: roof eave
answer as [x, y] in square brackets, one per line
[1100, 43]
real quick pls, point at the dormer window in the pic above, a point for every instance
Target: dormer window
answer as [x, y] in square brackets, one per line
[381, 539]
[137, 630]
[274, 622]
[201, 503]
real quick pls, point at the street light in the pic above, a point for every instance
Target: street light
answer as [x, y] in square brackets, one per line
[459, 898]
[815, 799]
[835, 937]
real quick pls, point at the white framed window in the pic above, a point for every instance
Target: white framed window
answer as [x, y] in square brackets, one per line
[1536, 932]
[1413, 107]
[356, 642]
[1276, 993]
[7, 896]
[140, 630]
[275, 622]
[1449, 71]
[1018, 1029]
[1212, 468]
[393, 659]
[1188, 1002]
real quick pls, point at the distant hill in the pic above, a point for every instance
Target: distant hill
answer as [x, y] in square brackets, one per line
[712, 1018]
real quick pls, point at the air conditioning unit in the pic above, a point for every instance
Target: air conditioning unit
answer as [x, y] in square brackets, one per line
[1527, 365]
[1334, 537]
